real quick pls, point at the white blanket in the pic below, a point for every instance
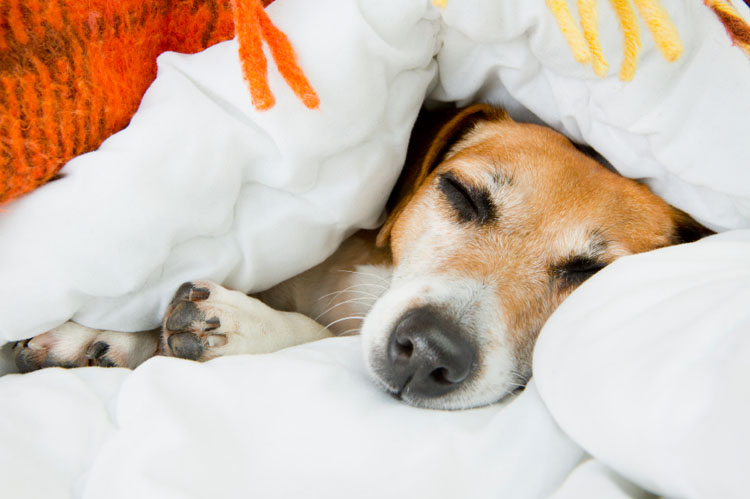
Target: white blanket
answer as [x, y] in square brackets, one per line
[304, 422]
[644, 367]
[648, 367]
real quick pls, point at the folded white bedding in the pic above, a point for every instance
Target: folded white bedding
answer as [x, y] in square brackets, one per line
[592, 479]
[304, 422]
[650, 376]
[647, 367]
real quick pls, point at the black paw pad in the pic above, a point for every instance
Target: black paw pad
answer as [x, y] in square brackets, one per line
[185, 346]
[183, 315]
[212, 324]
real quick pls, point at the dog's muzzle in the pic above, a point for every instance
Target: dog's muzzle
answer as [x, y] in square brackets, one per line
[428, 356]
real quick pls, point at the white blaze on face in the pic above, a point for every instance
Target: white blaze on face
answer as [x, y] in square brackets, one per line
[472, 307]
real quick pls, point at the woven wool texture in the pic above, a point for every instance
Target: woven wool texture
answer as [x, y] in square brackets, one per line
[72, 72]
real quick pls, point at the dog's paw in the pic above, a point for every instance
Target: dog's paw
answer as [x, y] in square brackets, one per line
[205, 320]
[192, 326]
[73, 345]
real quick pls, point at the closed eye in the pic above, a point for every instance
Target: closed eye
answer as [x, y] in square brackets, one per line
[577, 269]
[469, 203]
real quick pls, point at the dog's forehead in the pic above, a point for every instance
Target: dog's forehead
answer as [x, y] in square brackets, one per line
[511, 148]
[529, 168]
[543, 184]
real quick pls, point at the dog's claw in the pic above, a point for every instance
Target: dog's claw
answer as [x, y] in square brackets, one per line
[199, 294]
[187, 291]
[216, 340]
[212, 323]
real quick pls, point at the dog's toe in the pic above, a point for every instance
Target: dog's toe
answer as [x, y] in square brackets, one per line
[184, 315]
[186, 345]
[97, 355]
[50, 349]
[191, 325]
[191, 292]
[212, 324]
[187, 316]
[27, 358]
[73, 345]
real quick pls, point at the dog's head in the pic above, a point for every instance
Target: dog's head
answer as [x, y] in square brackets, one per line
[496, 223]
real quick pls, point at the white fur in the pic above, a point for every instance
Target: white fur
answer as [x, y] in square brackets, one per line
[469, 303]
[69, 343]
[250, 326]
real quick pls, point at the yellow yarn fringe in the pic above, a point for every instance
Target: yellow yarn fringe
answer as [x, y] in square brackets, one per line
[586, 47]
[632, 42]
[590, 25]
[570, 31]
[662, 28]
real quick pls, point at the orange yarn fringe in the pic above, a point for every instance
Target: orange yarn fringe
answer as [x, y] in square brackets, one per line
[252, 23]
[72, 72]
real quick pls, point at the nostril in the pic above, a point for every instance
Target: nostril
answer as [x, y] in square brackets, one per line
[447, 376]
[400, 349]
[404, 348]
[440, 376]
[428, 352]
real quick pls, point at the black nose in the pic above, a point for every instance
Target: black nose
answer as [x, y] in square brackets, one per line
[428, 355]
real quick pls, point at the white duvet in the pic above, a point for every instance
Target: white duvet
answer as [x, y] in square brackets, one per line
[642, 374]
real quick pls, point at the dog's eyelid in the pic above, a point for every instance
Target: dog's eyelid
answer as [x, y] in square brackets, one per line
[577, 268]
[470, 203]
[581, 263]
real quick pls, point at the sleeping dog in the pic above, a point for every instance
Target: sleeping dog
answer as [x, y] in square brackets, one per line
[492, 225]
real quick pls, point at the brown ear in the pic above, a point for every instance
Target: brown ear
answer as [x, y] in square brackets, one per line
[686, 229]
[432, 137]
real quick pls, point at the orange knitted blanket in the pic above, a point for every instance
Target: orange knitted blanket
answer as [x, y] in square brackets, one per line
[72, 72]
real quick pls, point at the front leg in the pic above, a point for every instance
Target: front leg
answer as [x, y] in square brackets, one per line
[74, 345]
[205, 320]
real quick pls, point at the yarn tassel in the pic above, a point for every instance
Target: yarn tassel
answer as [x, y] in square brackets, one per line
[253, 25]
[632, 33]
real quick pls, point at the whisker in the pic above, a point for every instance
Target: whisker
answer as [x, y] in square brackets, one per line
[351, 317]
[370, 274]
[353, 330]
[360, 300]
[379, 286]
[348, 290]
